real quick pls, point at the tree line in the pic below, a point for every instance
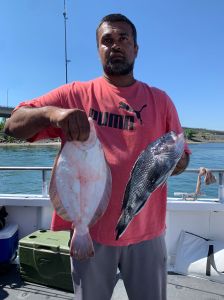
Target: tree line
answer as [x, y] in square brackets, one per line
[189, 133]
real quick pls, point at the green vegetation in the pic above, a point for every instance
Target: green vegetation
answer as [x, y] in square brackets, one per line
[203, 135]
[189, 133]
[2, 124]
[5, 138]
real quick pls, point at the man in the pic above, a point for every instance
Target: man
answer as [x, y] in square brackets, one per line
[128, 115]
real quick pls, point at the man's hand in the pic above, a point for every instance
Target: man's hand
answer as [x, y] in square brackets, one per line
[73, 122]
[182, 164]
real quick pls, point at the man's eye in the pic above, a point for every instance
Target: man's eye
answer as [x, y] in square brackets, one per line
[107, 40]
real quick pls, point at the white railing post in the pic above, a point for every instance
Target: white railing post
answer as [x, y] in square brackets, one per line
[221, 187]
[44, 183]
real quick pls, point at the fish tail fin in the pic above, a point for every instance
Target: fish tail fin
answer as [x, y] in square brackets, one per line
[121, 225]
[126, 217]
[81, 246]
[119, 229]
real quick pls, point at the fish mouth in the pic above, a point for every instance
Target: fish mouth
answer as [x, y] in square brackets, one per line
[170, 142]
[179, 141]
[180, 138]
[176, 138]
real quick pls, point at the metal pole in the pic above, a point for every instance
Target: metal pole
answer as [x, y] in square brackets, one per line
[66, 60]
[7, 98]
[44, 184]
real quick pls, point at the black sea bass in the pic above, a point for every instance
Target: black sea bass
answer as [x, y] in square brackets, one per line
[80, 189]
[152, 168]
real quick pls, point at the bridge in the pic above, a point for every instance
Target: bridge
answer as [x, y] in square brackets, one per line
[5, 112]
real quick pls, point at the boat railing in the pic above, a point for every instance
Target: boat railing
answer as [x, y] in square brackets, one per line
[220, 180]
[45, 170]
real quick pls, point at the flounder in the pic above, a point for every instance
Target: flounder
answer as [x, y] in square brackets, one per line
[80, 189]
[152, 169]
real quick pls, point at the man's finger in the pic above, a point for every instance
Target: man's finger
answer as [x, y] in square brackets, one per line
[70, 134]
[73, 129]
[84, 126]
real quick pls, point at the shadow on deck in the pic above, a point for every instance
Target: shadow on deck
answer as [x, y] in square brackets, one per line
[12, 287]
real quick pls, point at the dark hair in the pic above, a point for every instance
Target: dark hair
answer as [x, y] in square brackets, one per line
[117, 18]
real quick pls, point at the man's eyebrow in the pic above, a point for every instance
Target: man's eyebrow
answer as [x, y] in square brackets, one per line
[110, 34]
[124, 34]
[106, 35]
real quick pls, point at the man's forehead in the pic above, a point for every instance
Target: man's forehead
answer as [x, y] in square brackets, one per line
[115, 27]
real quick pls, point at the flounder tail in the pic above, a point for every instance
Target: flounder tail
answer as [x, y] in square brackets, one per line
[81, 246]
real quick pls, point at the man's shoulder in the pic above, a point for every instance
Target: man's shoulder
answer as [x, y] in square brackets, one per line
[83, 85]
[86, 83]
[154, 90]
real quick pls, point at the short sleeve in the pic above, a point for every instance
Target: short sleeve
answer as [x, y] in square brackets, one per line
[173, 122]
[57, 98]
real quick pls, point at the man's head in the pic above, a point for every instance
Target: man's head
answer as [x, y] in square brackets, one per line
[117, 44]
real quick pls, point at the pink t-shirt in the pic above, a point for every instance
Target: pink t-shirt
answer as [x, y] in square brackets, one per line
[127, 119]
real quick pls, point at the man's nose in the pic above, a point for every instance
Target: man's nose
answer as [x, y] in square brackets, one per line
[116, 46]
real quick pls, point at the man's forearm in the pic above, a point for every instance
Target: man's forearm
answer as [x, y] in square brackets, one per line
[27, 121]
[182, 164]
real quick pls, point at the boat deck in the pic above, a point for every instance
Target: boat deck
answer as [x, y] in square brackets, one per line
[179, 288]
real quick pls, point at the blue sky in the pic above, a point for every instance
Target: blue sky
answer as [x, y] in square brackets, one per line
[181, 50]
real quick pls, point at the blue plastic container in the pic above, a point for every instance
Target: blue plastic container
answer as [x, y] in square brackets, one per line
[8, 242]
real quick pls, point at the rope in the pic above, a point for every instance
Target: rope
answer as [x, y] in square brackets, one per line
[209, 179]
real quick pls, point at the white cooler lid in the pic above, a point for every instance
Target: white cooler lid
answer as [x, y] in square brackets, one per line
[8, 231]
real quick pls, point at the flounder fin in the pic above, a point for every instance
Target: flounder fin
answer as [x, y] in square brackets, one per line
[53, 193]
[81, 246]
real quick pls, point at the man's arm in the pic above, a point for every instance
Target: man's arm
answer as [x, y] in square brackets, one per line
[25, 122]
[182, 164]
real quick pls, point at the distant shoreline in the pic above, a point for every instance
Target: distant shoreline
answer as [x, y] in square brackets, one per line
[35, 144]
[58, 144]
[205, 141]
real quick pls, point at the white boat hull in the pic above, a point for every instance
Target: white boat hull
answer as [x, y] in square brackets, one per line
[201, 217]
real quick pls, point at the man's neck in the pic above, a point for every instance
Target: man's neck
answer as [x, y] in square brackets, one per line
[121, 80]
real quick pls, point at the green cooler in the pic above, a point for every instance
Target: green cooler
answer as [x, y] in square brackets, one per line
[44, 259]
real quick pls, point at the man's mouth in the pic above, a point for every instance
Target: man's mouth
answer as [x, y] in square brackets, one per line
[116, 58]
[116, 54]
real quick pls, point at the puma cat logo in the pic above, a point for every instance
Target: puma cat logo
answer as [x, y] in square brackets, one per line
[129, 108]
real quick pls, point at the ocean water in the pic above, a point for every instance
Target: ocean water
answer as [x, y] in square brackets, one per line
[23, 182]
[209, 155]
